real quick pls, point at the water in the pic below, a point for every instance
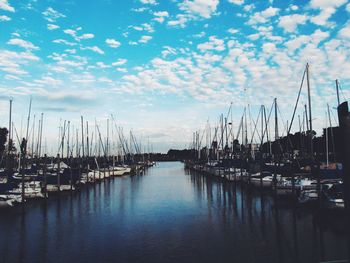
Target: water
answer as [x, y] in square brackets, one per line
[168, 215]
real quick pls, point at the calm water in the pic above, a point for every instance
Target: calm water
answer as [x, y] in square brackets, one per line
[168, 215]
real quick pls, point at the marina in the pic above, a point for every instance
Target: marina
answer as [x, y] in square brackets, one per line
[169, 214]
[170, 131]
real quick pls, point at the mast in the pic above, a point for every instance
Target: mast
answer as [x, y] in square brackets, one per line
[82, 134]
[77, 143]
[222, 132]
[276, 121]
[41, 133]
[226, 143]
[68, 140]
[87, 139]
[327, 152]
[10, 127]
[38, 140]
[62, 139]
[306, 119]
[246, 128]
[332, 135]
[107, 143]
[309, 102]
[28, 120]
[337, 88]
[32, 147]
[300, 134]
[262, 126]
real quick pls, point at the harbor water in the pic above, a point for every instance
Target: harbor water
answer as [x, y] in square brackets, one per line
[169, 215]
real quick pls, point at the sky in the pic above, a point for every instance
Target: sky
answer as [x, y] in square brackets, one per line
[163, 68]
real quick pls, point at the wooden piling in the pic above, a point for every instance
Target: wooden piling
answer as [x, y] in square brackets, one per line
[344, 125]
[58, 173]
[22, 167]
[44, 174]
[71, 173]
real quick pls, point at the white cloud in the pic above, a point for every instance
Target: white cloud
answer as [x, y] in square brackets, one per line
[63, 41]
[247, 8]
[5, 18]
[95, 49]
[143, 27]
[52, 27]
[348, 7]
[4, 5]
[269, 47]
[303, 40]
[73, 33]
[160, 16]
[58, 69]
[102, 65]
[124, 70]
[344, 33]
[139, 10]
[161, 13]
[119, 62]
[168, 51]
[150, 2]
[70, 32]
[113, 43]
[52, 15]
[297, 42]
[232, 31]
[326, 8]
[203, 8]
[290, 22]
[145, 39]
[237, 2]
[180, 21]
[71, 51]
[87, 36]
[11, 61]
[199, 35]
[213, 44]
[22, 43]
[294, 7]
[263, 16]
[47, 80]
[85, 78]
[104, 79]
[133, 43]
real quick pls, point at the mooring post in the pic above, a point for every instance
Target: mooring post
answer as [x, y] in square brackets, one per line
[94, 167]
[58, 173]
[274, 181]
[44, 173]
[22, 173]
[344, 125]
[261, 172]
[71, 173]
[104, 170]
[291, 173]
[317, 174]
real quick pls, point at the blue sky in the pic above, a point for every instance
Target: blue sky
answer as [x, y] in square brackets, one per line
[162, 68]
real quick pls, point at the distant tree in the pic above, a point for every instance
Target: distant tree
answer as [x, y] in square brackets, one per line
[23, 147]
[3, 139]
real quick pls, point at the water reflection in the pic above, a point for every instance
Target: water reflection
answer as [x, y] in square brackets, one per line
[274, 233]
[168, 215]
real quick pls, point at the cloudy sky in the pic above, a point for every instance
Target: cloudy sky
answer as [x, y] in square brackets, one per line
[164, 67]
